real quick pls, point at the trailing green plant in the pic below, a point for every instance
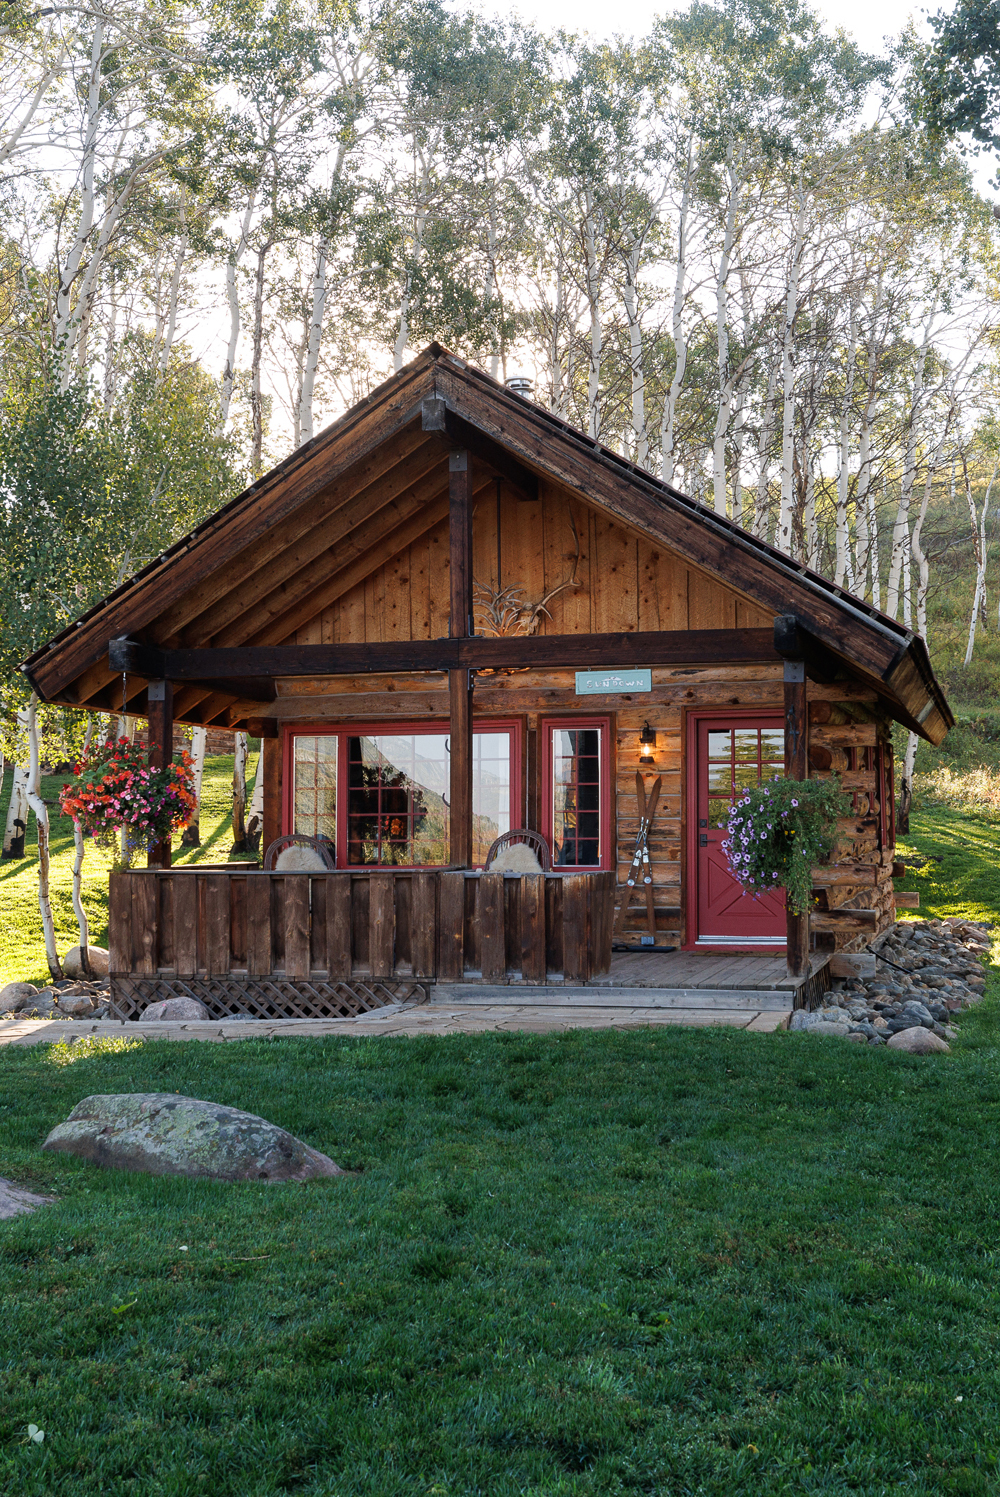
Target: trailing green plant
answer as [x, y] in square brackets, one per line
[779, 830]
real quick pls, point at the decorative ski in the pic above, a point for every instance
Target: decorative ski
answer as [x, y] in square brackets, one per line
[640, 871]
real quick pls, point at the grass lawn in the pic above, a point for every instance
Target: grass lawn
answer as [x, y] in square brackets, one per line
[22, 950]
[657, 1262]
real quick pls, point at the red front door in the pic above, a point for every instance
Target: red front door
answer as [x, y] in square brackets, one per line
[732, 754]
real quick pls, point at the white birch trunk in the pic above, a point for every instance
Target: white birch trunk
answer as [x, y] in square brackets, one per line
[593, 280]
[240, 793]
[17, 814]
[763, 445]
[41, 811]
[809, 513]
[79, 850]
[739, 437]
[843, 571]
[233, 303]
[898, 586]
[783, 534]
[305, 421]
[979, 540]
[64, 309]
[722, 341]
[630, 295]
[191, 835]
[420, 214]
[668, 453]
[255, 816]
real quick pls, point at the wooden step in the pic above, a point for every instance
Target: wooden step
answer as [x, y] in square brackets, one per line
[482, 994]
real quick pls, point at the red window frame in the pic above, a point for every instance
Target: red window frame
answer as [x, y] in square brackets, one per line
[569, 724]
[429, 726]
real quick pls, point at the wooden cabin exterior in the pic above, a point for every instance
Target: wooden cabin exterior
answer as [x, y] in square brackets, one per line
[451, 615]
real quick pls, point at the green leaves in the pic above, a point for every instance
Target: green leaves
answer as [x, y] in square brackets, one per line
[778, 830]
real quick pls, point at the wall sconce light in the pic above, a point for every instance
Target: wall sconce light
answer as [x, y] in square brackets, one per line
[647, 742]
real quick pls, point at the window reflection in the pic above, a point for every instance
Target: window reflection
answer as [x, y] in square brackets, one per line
[397, 789]
[576, 797]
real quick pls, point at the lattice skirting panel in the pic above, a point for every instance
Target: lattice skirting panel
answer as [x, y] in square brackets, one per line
[264, 997]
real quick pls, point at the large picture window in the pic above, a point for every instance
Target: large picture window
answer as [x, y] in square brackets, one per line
[576, 791]
[381, 798]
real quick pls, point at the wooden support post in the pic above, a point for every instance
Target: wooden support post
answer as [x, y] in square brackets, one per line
[460, 681]
[796, 768]
[160, 699]
[271, 748]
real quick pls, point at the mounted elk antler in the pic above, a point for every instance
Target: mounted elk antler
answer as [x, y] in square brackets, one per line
[503, 611]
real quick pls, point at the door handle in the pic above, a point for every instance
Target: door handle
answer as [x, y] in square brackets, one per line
[702, 840]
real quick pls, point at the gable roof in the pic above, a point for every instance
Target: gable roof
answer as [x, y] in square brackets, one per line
[270, 560]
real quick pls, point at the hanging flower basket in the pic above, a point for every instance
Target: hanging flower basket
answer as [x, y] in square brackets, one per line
[113, 793]
[778, 831]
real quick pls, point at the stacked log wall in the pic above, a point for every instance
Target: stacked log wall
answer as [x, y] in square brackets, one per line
[846, 737]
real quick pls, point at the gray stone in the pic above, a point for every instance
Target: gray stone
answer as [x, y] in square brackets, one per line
[175, 1009]
[161, 1133]
[17, 995]
[73, 966]
[17, 1202]
[919, 1041]
[918, 1011]
[856, 1037]
[77, 1005]
[827, 1026]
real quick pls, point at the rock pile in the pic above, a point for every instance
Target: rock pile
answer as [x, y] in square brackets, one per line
[927, 972]
[62, 1000]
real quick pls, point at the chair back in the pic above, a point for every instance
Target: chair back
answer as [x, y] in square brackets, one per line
[318, 844]
[535, 841]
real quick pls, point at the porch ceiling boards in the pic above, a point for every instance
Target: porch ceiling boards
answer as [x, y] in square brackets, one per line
[270, 562]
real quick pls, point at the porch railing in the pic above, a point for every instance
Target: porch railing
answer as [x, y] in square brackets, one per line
[382, 924]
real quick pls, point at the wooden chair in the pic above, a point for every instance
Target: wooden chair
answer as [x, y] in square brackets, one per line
[318, 844]
[535, 841]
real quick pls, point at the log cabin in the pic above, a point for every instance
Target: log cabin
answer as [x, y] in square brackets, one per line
[452, 617]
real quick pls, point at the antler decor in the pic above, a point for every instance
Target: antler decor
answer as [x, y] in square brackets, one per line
[502, 611]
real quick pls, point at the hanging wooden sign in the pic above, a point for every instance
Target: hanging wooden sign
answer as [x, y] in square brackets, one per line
[605, 683]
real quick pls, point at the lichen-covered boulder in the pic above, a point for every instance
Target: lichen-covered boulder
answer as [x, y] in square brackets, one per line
[176, 1009]
[161, 1133]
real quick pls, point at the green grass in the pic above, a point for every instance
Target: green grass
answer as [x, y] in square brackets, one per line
[22, 950]
[653, 1262]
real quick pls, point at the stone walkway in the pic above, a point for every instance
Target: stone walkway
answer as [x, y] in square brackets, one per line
[436, 1018]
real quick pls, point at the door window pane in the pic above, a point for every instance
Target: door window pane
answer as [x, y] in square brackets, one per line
[720, 745]
[772, 745]
[315, 811]
[576, 797]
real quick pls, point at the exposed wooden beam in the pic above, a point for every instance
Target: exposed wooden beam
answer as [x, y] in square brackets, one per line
[460, 681]
[160, 699]
[796, 768]
[668, 647]
[794, 640]
[461, 434]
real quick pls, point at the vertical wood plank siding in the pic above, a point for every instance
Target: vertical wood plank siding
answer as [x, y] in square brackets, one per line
[448, 926]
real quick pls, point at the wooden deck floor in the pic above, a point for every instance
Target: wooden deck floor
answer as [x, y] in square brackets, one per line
[702, 969]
